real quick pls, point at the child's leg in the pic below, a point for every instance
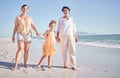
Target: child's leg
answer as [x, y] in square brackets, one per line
[49, 61]
[42, 58]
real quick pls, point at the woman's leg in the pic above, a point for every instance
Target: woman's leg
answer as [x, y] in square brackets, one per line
[20, 48]
[42, 58]
[64, 46]
[49, 61]
[26, 50]
[72, 52]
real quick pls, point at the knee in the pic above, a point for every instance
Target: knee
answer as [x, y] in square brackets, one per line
[26, 50]
[44, 55]
[20, 49]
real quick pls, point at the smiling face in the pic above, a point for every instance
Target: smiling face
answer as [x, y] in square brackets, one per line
[52, 26]
[25, 9]
[66, 11]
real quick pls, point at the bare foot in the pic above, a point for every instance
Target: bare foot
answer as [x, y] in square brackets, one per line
[49, 67]
[65, 67]
[14, 68]
[38, 66]
[73, 68]
[26, 66]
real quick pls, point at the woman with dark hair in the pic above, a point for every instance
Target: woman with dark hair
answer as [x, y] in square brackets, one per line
[23, 25]
[67, 36]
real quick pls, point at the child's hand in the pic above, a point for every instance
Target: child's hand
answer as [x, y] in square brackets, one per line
[41, 36]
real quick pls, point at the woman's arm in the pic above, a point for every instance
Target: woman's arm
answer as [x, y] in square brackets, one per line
[34, 28]
[58, 31]
[15, 30]
[74, 32]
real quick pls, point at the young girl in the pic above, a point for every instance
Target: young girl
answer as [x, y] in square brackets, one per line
[49, 45]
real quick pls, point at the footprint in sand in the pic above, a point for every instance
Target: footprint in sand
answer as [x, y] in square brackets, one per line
[1, 55]
[5, 57]
[105, 71]
[12, 60]
[23, 70]
[6, 52]
[40, 69]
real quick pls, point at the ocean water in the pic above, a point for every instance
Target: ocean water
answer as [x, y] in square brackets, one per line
[106, 41]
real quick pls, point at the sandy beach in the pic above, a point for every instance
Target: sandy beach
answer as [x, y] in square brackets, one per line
[92, 62]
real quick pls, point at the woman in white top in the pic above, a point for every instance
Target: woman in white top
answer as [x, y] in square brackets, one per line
[23, 24]
[67, 36]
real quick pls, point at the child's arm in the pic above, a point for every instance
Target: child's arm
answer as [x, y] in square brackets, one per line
[46, 33]
[41, 36]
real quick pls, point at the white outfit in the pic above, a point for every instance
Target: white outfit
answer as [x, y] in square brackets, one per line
[26, 38]
[67, 30]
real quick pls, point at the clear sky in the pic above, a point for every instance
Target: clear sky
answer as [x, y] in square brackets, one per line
[92, 16]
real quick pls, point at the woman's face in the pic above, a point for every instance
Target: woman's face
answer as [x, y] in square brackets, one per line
[66, 11]
[25, 9]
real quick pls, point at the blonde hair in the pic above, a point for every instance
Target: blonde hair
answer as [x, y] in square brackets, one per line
[51, 22]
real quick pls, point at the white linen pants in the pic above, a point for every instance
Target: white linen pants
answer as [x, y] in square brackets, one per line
[68, 44]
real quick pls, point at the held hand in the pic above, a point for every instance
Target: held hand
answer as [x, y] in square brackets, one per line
[13, 39]
[37, 33]
[57, 39]
[41, 36]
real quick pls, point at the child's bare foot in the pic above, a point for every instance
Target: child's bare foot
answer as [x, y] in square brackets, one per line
[49, 67]
[38, 66]
[73, 68]
[65, 67]
[14, 68]
[26, 66]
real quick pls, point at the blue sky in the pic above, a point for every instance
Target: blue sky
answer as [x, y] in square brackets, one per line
[92, 16]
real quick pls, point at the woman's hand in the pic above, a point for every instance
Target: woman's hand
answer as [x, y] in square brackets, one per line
[76, 37]
[37, 33]
[13, 39]
[76, 40]
[57, 39]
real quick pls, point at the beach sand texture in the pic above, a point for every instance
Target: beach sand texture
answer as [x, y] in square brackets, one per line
[92, 62]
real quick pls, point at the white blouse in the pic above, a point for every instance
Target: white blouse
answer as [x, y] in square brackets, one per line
[66, 26]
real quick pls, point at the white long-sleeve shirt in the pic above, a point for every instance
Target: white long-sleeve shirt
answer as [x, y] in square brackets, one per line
[66, 26]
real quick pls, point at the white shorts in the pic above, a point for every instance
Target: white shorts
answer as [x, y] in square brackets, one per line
[26, 38]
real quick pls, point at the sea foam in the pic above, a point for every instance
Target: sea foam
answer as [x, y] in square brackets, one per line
[96, 44]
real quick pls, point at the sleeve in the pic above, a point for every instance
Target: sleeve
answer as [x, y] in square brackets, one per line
[59, 25]
[74, 27]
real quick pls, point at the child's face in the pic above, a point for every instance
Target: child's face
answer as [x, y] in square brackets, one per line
[52, 26]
